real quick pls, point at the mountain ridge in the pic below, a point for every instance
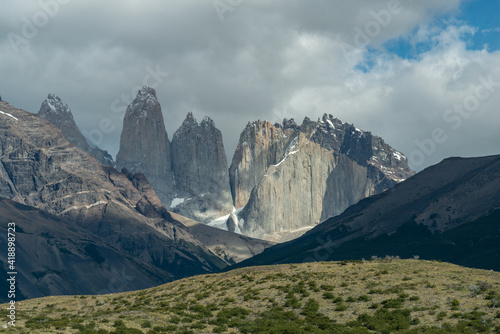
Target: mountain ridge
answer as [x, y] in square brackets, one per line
[441, 204]
[288, 177]
[58, 113]
[41, 169]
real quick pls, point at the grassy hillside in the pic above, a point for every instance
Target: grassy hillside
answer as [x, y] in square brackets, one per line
[379, 296]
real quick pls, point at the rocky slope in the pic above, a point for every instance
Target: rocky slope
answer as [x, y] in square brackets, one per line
[144, 144]
[40, 168]
[450, 211]
[232, 247]
[58, 113]
[55, 256]
[288, 178]
[200, 168]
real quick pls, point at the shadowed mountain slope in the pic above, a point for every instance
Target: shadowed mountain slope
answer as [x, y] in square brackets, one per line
[450, 211]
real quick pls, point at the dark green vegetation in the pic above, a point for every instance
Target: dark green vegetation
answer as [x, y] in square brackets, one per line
[380, 296]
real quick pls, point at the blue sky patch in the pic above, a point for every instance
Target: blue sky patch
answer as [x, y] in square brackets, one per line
[483, 15]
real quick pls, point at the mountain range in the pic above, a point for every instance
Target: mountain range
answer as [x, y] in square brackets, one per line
[283, 180]
[86, 207]
[164, 210]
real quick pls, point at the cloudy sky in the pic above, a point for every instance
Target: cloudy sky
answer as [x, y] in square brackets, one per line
[424, 75]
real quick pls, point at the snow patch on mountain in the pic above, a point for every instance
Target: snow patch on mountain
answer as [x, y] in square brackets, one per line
[9, 115]
[221, 222]
[176, 202]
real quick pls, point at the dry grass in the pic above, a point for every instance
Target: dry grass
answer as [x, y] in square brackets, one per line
[435, 292]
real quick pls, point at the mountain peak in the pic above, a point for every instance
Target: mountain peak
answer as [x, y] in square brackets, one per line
[54, 110]
[53, 96]
[289, 123]
[144, 144]
[200, 168]
[146, 92]
[53, 105]
[207, 122]
[190, 120]
[147, 97]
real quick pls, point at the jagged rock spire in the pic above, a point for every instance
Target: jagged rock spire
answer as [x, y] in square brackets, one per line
[144, 144]
[54, 110]
[200, 168]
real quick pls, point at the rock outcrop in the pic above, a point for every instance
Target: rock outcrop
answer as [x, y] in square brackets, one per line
[144, 144]
[41, 169]
[190, 173]
[449, 211]
[200, 168]
[58, 113]
[289, 178]
[57, 257]
[261, 145]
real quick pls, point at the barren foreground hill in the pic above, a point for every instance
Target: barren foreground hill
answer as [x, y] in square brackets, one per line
[378, 296]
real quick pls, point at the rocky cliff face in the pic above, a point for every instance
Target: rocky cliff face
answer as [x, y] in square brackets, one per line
[261, 145]
[200, 168]
[58, 113]
[144, 144]
[450, 212]
[289, 178]
[40, 168]
[190, 173]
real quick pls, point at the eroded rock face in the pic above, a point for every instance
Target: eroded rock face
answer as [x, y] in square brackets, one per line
[40, 168]
[200, 168]
[261, 145]
[190, 173]
[144, 144]
[290, 178]
[58, 113]
[448, 211]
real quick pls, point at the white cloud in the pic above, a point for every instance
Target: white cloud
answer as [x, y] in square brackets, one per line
[267, 59]
[490, 30]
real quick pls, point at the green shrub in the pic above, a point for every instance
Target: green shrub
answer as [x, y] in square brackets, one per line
[292, 301]
[384, 321]
[341, 307]
[393, 303]
[310, 307]
[328, 295]
[146, 324]
[337, 300]
[274, 321]
[364, 298]
[220, 329]
[231, 316]
[441, 315]
[118, 323]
